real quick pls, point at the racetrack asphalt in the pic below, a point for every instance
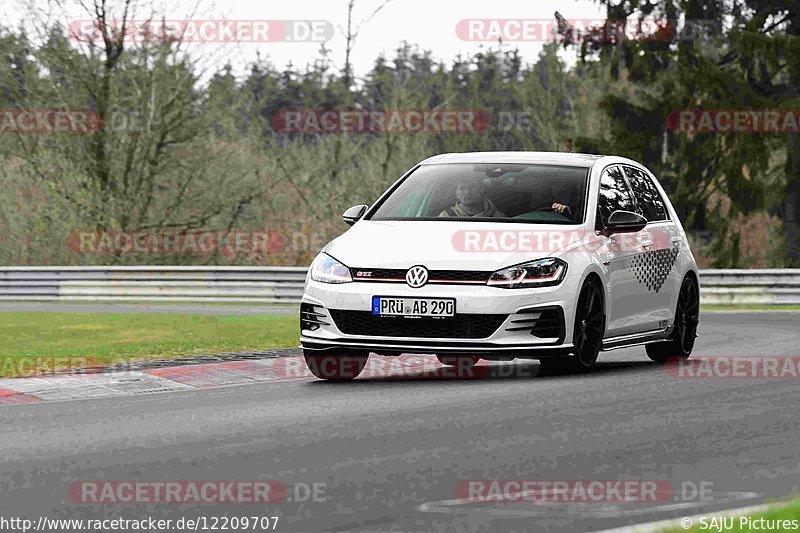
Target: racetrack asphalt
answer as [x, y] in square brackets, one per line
[390, 453]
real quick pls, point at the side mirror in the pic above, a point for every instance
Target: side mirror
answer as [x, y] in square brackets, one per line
[625, 222]
[352, 215]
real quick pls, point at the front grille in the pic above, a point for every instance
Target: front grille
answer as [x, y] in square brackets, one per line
[434, 276]
[457, 327]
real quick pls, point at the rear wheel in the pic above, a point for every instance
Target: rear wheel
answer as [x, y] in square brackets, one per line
[336, 367]
[687, 316]
[590, 326]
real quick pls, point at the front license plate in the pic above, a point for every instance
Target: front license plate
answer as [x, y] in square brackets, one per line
[413, 307]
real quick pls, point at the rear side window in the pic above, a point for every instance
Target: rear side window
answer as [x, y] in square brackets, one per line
[651, 205]
[615, 195]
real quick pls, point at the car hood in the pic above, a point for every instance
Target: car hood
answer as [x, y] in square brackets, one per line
[449, 245]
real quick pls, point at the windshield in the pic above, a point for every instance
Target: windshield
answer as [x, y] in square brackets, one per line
[489, 192]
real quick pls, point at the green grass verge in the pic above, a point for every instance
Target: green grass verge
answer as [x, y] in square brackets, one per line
[158, 303]
[775, 517]
[749, 307]
[32, 341]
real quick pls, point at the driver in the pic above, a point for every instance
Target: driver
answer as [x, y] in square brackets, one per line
[472, 201]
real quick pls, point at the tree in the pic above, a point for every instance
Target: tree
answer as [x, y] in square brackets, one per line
[710, 54]
[153, 160]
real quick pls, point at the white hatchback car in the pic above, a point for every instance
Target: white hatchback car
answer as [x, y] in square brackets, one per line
[504, 255]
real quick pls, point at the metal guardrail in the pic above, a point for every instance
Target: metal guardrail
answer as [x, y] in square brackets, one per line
[153, 284]
[750, 287]
[256, 285]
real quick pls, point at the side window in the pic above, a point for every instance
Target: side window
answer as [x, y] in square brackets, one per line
[615, 195]
[651, 205]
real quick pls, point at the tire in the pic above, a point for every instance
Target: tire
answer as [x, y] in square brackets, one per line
[336, 367]
[460, 361]
[687, 316]
[590, 327]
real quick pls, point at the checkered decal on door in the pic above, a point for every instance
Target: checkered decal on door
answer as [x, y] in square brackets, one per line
[652, 268]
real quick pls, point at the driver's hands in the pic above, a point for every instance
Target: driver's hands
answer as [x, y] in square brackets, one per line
[562, 209]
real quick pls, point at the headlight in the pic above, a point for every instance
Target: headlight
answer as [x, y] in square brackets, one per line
[541, 273]
[328, 270]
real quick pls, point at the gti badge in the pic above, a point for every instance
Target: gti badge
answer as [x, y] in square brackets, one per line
[417, 276]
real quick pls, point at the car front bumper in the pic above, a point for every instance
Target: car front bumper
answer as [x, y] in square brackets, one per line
[517, 311]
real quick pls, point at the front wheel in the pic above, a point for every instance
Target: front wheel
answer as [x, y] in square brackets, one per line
[336, 367]
[590, 327]
[687, 316]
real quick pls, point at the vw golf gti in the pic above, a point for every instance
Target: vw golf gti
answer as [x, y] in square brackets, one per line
[505, 255]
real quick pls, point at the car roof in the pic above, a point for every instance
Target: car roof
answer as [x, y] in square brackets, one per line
[558, 158]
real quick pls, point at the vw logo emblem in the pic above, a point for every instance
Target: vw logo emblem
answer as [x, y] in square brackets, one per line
[417, 276]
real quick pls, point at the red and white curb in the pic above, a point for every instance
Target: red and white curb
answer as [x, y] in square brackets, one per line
[193, 376]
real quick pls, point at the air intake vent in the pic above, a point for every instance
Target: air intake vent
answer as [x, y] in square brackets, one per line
[543, 322]
[312, 317]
